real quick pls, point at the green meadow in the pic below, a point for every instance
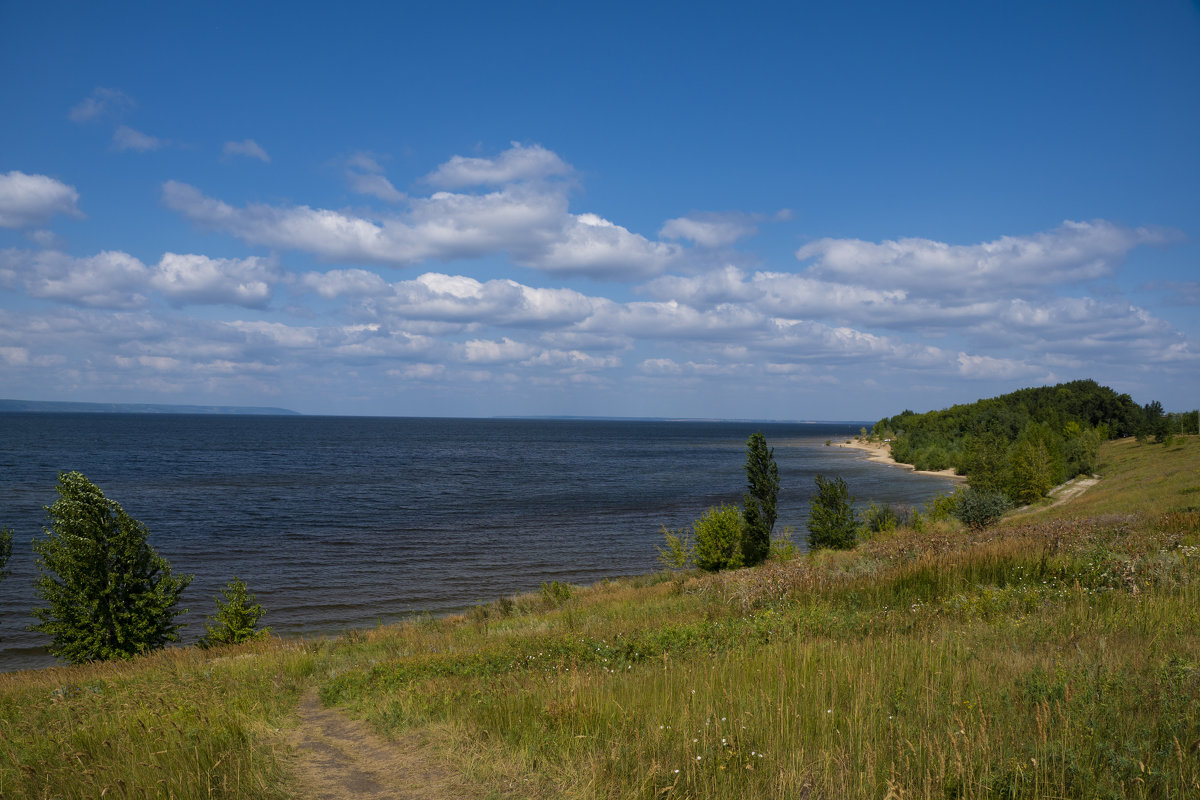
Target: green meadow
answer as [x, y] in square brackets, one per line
[1055, 655]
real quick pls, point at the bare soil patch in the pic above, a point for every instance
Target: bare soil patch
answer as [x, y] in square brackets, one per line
[339, 758]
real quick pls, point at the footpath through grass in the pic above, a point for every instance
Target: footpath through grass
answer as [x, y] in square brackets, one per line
[1054, 656]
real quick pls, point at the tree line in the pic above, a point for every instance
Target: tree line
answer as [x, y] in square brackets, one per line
[1024, 443]
[108, 594]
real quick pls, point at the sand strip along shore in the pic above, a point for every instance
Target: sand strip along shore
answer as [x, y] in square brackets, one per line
[881, 453]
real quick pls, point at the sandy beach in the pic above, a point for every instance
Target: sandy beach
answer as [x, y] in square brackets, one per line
[881, 453]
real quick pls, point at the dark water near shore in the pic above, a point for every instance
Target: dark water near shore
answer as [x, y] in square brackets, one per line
[338, 523]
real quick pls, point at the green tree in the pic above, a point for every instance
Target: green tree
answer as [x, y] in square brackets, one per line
[832, 521]
[6, 537]
[109, 594]
[759, 501]
[236, 619]
[1035, 464]
[718, 537]
[977, 509]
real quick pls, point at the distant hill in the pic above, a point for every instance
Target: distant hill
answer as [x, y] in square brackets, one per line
[57, 407]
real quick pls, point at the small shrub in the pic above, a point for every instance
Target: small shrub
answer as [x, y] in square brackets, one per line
[555, 593]
[237, 618]
[880, 518]
[782, 547]
[679, 550]
[978, 510]
[943, 506]
[718, 536]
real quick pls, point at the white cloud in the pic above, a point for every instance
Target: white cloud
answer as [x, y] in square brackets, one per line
[27, 200]
[345, 283]
[365, 176]
[102, 102]
[14, 356]
[109, 279]
[113, 279]
[126, 138]
[485, 351]
[375, 186]
[518, 163]
[1071, 253]
[593, 246]
[710, 230]
[986, 367]
[659, 366]
[199, 279]
[529, 222]
[434, 296]
[570, 361]
[248, 148]
[672, 320]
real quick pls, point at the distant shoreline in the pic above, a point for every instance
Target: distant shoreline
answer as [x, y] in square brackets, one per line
[880, 453]
[66, 407]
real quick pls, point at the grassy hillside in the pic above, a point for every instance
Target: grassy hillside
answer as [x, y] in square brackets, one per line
[1056, 655]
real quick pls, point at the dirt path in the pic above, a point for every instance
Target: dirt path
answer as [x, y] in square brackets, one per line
[1062, 494]
[1072, 489]
[339, 758]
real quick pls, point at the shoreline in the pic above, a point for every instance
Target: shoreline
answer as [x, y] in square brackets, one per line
[880, 453]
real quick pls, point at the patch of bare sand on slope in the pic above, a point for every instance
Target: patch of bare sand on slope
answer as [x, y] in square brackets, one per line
[339, 758]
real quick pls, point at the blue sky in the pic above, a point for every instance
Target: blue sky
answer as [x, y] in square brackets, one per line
[753, 210]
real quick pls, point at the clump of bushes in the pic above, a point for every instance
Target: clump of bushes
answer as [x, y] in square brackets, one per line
[978, 509]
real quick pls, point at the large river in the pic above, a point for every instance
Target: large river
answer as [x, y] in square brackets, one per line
[345, 522]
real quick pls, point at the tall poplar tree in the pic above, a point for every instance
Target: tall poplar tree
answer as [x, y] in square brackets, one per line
[759, 501]
[109, 594]
[6, 537]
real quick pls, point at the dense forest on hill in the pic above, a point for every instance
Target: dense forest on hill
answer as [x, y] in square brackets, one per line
[1026, 442]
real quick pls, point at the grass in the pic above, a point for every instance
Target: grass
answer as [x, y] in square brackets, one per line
[1056, 655]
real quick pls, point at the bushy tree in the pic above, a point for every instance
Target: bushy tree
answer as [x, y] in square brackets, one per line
[6, 537]
[109, 594]
[1035, 464]
[978, 509]
[832, 521]
[718, 537]
[759, 501]
[237, 617]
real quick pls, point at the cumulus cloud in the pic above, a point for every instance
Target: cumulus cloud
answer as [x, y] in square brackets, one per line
[126, 138]
[27, 200]
[571, 361]
[528, 221]
[199, 279]
[113, 279]
[1074, 252]
[486, 351]
[248, 148]
[345, 283]
[106, 280]
[710, 230]
[518, 163]
[102, 102]
[987, 367]
[591, 245]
